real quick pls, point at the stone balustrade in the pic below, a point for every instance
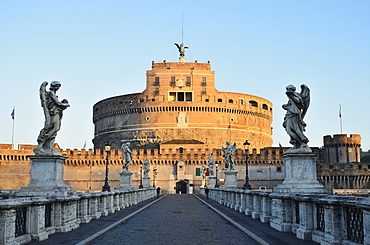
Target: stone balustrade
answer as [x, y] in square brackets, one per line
[325, 219]
[35, 218]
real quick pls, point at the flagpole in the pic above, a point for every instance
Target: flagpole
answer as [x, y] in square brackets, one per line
[13, 117]
[340, 119]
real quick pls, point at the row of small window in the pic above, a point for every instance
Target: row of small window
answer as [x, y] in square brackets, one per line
[342, 167]
[173, 81]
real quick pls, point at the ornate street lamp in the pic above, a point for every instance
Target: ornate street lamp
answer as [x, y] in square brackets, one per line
[141, 176]
[155, 172]
[216, 185]
[106, 186]
[246, 185]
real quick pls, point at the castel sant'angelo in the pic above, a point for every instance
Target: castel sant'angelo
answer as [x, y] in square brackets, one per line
[177, 122]
[181, 104]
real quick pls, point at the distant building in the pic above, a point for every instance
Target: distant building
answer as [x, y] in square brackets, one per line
[342, 167]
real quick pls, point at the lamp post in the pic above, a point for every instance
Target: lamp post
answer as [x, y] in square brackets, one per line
[106, 186]
[141, 176]
[216, 185]
[246, 185]
[155, 172]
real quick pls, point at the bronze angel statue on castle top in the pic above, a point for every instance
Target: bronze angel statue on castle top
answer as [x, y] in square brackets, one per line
[294, 125]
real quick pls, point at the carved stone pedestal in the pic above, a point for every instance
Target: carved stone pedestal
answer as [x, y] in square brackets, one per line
[212, 181]
[125, 181]
[300, 175]
[47, 173]
[230, 179]
[146, 181]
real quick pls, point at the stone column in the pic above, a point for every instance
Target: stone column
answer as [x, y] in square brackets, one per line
[306, 217]
[282, 212]
[84, 215]
[256, 205]
[248, 203]
[242, 201]
[37, 219]
[333, 221]
[7, 221]
[266, 207]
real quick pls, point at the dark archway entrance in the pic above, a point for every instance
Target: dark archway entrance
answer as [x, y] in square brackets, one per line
[182, 186]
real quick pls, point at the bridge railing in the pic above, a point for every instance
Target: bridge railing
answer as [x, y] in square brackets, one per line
[35, 218]
[325, 219]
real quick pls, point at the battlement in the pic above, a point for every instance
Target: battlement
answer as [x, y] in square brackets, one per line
[181, 65]
[342, 139]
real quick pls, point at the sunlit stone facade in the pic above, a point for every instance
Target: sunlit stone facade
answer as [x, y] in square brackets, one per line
[180, 102]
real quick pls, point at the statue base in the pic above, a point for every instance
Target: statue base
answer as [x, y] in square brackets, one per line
[47, 174]
[212, 181]
[125, 181]
[146, 181]
[300, 175]
[230, 179]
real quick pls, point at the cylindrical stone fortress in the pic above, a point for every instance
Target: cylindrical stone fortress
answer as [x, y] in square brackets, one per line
[180, 102]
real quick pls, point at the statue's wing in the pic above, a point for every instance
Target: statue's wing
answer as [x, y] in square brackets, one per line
[178, 46]
[305, 94]
[44, 98]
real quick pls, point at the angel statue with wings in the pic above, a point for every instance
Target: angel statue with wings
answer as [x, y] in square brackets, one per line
[146, 167]
[181, 49]
[228, 154]
[126, 155]
[53, 111]
[294, 125]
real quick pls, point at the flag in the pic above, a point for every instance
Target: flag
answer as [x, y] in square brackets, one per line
[13, 114]
[280, 145]
[340, 111]
[84, 146]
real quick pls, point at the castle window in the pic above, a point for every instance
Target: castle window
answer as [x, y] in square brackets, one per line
[204, 90]
[181, 150]
[207, 100]
[188, 81]
[231, 101]
[141, 100]
[204, 81]
[219, 100]
[156, 81]
[278, 169]
[180, 96]
[253, 103]
[265, 107]
[359, 167]
[156, 91]
[241, 102]
[173, 81]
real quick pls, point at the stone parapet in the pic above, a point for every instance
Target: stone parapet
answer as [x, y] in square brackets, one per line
[323, 218]
[25, 219]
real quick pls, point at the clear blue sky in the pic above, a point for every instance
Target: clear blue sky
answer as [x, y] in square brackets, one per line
[99, 49]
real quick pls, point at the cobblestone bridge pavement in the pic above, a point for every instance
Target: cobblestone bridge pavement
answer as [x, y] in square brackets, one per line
[175, 219]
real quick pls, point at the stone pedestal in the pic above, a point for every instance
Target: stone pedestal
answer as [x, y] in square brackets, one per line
[212, 181]
[47, 173]
[146, 181]
[230, 179]
[126, 181]
[300, 175]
